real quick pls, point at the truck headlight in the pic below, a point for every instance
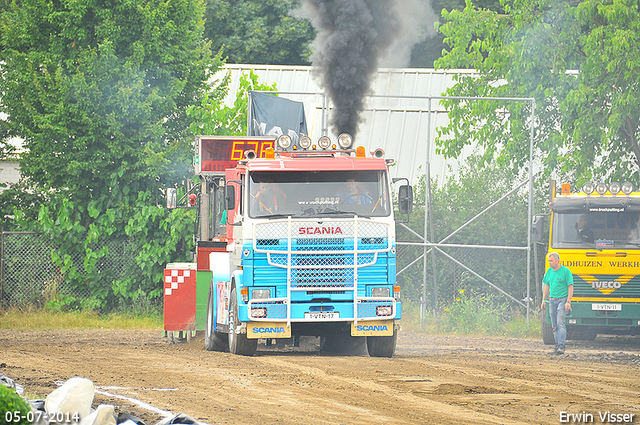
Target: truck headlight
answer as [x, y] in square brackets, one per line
[324, 142]
[304, 142]
[284, 141]
[257, 294]
[258, 312]
[345, 140]
[601, 188]
[384, 310]
[380, 292]
[614, 188]
[588, 188]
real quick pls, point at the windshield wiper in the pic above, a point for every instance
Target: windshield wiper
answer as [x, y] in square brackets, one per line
[270, 216]
[334, 212]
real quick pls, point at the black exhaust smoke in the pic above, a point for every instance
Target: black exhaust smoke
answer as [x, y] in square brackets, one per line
[353, 35]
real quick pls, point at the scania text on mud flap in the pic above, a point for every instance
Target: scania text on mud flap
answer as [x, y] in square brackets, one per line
[595, 232]
[295, 240]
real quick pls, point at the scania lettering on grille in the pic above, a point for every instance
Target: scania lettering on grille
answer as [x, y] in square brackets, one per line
[321, 230]
[265, 330]
[604, 284]
[364, 328]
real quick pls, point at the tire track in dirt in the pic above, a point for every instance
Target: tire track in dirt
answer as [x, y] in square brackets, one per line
[431, 410]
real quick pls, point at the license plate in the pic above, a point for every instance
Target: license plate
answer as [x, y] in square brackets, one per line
[323, 315]
[606, 307]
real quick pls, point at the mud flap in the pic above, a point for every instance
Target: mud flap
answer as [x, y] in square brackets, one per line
[372, 328]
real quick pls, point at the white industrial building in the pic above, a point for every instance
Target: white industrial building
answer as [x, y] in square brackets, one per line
[9, 171]
[398, 118]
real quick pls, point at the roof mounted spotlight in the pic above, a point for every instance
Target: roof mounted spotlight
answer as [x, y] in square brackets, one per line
[601, 188]
[626, 188]
[588, 188]
[284, 142]
[345, 140]
[304, 142]
[614, 188]
[324, 142]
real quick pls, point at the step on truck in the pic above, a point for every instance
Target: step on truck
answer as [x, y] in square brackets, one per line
[595, 232]
[295, 239]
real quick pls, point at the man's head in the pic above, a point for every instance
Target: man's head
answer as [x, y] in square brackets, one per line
[554, 260]
[582, 222]
[352, 185]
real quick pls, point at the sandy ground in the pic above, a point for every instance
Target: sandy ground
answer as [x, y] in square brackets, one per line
[431, 380]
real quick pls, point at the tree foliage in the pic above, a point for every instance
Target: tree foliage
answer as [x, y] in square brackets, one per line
[586, 123]
[426, 52]
[259, 31]
[99, 90]
[212, 117]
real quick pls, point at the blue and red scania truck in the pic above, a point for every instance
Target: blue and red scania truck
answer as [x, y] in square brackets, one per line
[295, 239]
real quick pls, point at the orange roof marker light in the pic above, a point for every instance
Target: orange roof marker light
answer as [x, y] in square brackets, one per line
[566, 189]
[269, 153]
[360, 152]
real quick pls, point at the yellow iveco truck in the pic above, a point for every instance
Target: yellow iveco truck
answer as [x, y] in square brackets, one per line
[595, 231]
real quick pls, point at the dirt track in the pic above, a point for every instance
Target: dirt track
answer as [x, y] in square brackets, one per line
[431, 380]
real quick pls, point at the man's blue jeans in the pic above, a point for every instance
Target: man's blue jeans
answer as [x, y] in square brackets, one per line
[557, 314]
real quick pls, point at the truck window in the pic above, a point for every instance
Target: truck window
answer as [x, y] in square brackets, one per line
[217, 223]
[582, 230]
[319, 193]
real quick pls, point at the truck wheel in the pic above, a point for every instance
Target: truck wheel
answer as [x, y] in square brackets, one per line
[547, 331]
[213, 341]
[382, 346]
[238, 343]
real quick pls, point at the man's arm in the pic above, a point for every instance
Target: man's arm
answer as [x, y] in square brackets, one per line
[567, 305]
[545, 294]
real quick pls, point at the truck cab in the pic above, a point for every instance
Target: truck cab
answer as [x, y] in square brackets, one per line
[595, 232]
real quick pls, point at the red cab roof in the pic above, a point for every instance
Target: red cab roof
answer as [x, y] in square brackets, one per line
[340, 163]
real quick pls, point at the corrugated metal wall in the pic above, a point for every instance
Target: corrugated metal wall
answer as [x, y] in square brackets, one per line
[396, 124]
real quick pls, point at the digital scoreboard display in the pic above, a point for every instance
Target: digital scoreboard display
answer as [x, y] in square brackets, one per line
[215, 154]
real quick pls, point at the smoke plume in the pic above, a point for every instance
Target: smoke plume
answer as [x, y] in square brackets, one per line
[353, 37]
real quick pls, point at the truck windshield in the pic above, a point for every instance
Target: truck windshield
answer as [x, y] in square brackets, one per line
[319, 193]
[585, 230]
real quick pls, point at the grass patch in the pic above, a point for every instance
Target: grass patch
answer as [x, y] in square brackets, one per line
[32, 318]
[473, 315]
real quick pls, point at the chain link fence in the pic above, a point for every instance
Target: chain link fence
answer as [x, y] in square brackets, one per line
[508, 268]
[29, 276]
[485, 270]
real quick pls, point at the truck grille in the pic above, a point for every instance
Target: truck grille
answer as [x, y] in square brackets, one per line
[329, 253]
[583, 286]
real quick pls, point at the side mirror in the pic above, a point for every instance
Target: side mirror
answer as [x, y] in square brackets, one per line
[172, 198]
[405, 199]
[537, 228]
[230, 198]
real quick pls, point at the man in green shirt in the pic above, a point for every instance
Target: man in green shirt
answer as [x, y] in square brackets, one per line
[558, 288]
